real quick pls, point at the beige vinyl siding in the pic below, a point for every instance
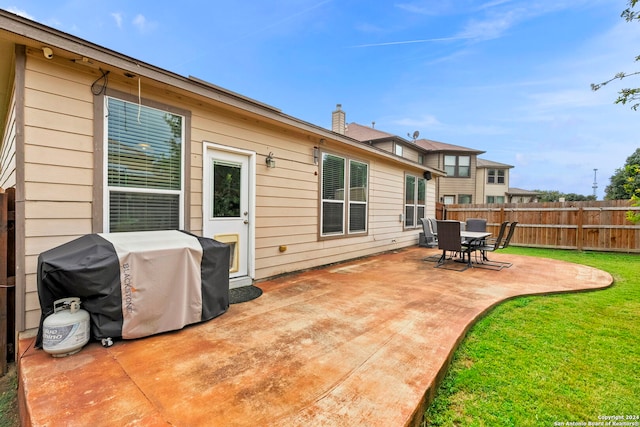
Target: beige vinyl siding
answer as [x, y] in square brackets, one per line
[59, 175]
[410, 154]
[481, 185]
[484, 189]
[457, 186]
[8, 150]
[58, 152]
[387, 146]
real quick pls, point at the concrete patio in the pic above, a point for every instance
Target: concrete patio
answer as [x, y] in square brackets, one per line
[359, 343]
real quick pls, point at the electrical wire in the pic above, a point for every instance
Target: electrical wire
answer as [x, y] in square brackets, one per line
[99, 89]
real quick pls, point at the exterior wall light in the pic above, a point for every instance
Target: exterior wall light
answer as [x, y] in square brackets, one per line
[270, 161]
[316, 155]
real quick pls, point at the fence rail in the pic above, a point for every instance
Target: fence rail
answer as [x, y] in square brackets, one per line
[598, 226]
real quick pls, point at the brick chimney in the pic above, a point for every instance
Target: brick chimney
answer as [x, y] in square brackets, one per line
[338, 117]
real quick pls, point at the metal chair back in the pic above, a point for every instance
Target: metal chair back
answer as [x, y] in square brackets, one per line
[434, 226]
[512, 229]
[449, 236]
[476, 224]
[498, 241]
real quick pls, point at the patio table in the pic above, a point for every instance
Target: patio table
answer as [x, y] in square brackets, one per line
[471, 238]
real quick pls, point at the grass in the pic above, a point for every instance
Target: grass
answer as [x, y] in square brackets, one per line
[8, 399]
[550, 360]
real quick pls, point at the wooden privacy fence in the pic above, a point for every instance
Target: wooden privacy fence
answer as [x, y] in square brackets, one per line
[7, 277]
[593, 226]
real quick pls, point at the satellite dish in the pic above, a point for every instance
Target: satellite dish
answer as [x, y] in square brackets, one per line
[416, 134]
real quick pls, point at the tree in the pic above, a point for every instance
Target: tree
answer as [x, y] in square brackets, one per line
[627, 95]
[625, 182]
[554, 196]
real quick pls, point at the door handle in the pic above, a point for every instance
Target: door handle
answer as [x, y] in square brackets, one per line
[246, 221]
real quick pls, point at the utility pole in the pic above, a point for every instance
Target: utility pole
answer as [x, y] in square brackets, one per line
[595, 183]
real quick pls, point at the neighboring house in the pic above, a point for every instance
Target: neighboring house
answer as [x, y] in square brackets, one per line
[459, 163]
[518, 195]
[468, 179]
[460, 166]
[95, 141]
[492, 181]
[415, 188]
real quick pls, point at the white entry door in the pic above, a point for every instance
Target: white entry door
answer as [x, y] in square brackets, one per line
[226, 208]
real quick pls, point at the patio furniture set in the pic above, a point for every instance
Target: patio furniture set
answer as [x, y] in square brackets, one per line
[460, 240]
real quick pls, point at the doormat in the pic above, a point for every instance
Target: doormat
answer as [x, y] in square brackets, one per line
[244, 294]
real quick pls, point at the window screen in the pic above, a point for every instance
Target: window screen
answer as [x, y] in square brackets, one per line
[144, 167]
[339, 173]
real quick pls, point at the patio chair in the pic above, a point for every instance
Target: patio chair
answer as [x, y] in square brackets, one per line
[476, 224]
[434, 226]
[512, 229]
[493, 244]
[431, 239]
[449, 240]
[498, 244]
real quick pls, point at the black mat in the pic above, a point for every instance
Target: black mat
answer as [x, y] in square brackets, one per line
[244, 294]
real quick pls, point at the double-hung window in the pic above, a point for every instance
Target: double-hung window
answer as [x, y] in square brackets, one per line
[144, 188]
[457, 166]
[415, 196]
[343, 212]
[495, 176]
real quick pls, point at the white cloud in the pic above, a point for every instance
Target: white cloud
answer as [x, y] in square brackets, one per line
[117, 16]
[491, 28]
[20, 12]
[142, 24]
[424, 122]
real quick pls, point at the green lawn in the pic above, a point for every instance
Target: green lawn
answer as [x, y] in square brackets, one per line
[551, 360]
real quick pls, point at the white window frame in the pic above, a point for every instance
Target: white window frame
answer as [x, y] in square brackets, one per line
[415, 205]
[105, 161]
[346, 202]
[494, 176]
[456, 167]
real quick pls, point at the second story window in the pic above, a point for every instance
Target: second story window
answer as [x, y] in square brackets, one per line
[457, 166]
[398, 150]
[495, 176]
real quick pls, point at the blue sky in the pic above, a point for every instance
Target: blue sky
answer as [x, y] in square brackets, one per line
[510, 77]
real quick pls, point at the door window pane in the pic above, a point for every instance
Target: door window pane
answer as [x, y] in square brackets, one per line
[226, 190]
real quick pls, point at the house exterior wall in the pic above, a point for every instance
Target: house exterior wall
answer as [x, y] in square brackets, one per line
[60, 137]
[485, 189]
[410, 154]
[456, 186]
[8, 148]
[482, 187]
[387, 146]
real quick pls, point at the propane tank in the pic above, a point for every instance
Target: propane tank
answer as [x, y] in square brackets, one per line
[66, 331]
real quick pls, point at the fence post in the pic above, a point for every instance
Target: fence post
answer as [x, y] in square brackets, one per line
[580, 229]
